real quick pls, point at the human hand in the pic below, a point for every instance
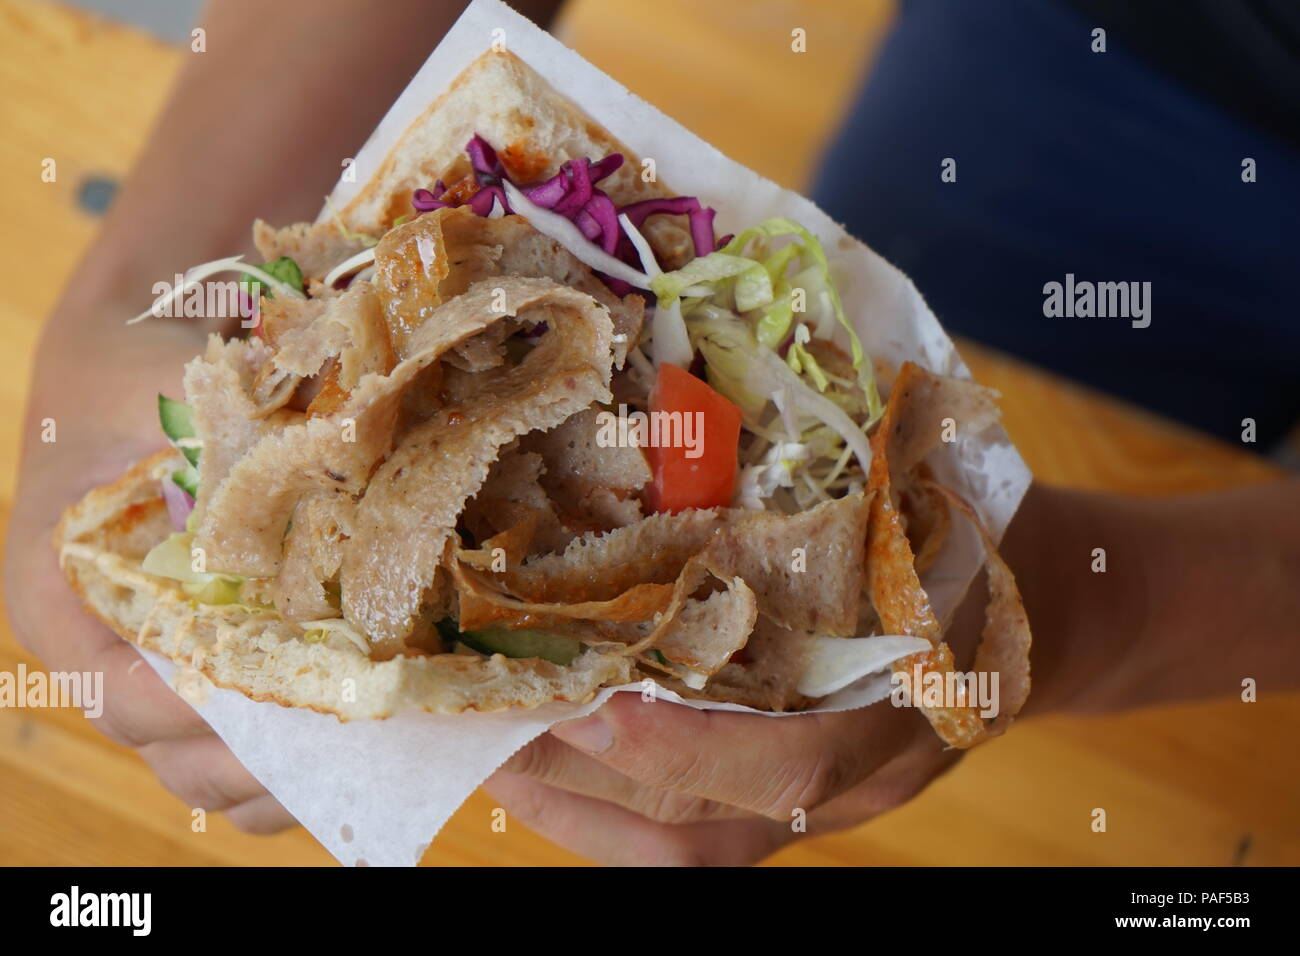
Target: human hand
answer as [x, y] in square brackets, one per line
[98, 382]
[657, 783]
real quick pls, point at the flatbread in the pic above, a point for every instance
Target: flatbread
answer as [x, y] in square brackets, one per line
[102, 539]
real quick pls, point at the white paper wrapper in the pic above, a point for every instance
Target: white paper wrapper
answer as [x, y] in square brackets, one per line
[377, 792]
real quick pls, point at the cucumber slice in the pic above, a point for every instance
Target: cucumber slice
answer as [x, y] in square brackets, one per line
[177, 418]
[187, 479]
[549, 647]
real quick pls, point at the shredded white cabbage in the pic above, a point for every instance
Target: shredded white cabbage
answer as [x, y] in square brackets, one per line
[568, 235]
[670, 342]
[648, 261]
[350, 265]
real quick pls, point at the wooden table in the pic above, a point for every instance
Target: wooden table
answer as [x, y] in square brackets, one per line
[1186, 785]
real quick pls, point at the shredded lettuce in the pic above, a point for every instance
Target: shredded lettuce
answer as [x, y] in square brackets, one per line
[801, 361]
[173, 558]
[807, 402]
[776, 470]
[220, 590]
[753, 283]
[713, 268]
[729, 348]
[749, 373]
[752, 309]
[809, 248]
[774, 324]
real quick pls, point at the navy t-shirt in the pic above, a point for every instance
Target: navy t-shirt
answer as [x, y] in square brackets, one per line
[995, 157]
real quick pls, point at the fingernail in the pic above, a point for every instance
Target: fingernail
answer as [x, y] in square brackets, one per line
[590, 734]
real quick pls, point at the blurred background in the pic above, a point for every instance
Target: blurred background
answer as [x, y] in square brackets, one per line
[1188, 785]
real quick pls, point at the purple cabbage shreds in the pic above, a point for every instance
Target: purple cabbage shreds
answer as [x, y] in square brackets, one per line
[572, 192]
[606, 166]
[569, 190]
[724, 240]
[701, 217]
[601, 209]
[424, 200]
[702, 229]
[580, 188]
[639, 212]
[481, 201]
[484, 158]
[588, 226]
[547, 194]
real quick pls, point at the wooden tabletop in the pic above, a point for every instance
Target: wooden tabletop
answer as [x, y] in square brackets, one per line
[1186, 785]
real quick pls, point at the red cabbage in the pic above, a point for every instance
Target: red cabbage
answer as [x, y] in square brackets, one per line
[481, 201]
[601, 210]
[572, 192]
[550, 192]
[701, 217]
[484, 158]
[424, 201]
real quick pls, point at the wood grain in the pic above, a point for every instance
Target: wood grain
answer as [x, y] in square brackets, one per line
[1180, 785]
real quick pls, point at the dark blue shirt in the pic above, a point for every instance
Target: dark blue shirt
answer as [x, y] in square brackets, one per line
[1106, 167]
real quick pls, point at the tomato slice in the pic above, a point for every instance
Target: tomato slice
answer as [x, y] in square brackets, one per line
[701, 472]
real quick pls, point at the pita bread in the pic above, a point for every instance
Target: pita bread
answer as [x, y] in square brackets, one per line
[102, 539]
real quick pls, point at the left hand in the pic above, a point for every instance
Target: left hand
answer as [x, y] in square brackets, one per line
[657, 783]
